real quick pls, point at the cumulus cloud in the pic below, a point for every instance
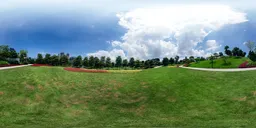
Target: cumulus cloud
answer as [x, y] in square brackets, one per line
[112, 54]
[172, 30]
[212, 45]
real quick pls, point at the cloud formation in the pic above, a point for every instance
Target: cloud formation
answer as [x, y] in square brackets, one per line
[172, 30]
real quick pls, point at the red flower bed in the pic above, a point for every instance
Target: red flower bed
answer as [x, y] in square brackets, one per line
[10, 65]
[243, 65]
[85, 70]
[39, 65]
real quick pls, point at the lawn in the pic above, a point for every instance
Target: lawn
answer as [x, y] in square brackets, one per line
[219, 63]
[162, 97]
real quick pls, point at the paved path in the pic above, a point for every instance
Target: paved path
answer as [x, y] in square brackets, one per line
[2, 68]
[222, 70]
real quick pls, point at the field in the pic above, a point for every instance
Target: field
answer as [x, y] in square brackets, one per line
[219, 63]
[162, 97]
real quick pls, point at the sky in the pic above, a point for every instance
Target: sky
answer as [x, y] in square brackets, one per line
[143, 29]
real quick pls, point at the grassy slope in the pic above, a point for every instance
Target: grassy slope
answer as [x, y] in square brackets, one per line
[218, 63]
[52, 97]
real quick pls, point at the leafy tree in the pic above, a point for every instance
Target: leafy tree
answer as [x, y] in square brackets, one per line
[4, 52]
[63, 59]
[78, 62]
[54, 60]
[125, 62]
[13, 53]
[102, 61]
[131, 62]
[97, 62]
[23, 56]
[40, 59]
[147, 64]
[119, 61]
[227, 52]
[171, 61]
[112, 64]
[202, 59]
[165, 61]
[192, 59]
[221, 54]
[142, 64]
[177, 59]
[137, 64]
[252, 56]
[186, 60]
[86, 62]
[216, 55]
[235, 51]
[108, 62]
[47, 58]
[31, 60]
[91, 62]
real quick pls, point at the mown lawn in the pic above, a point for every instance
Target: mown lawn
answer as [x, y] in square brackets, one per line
[163, 97]
[219, 63]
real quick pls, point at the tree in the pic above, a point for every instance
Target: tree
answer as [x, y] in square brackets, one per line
[216, 55]
[40, 59]
[227, 52]
[4, 52]
[252, 56]
[47, 58]
[177, 59]
[235, 51]
[102, 61]
[97, 62]
[131, 62]
[137, 63]
[78, 62]
[221, 54]
[54, 60]
[147, 64]
[86, 62]
[165, 61]
[13, 53]
[171, 61]
[125, 63]
[63, 59]
[250, 45]
[119, 61]
[91, 62]
[23, 56]
[31, 60]
[192, 59]
[108, 62]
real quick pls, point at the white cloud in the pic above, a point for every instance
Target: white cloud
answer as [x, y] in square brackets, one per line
[112, 54]
[212, 45]
[173, 30]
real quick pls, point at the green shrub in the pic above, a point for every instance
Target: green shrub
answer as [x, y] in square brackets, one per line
[251, 64]
[3, 62]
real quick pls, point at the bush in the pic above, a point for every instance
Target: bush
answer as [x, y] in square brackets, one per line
[3, 63]
[13, 62]
[243, 65]
[251, 64]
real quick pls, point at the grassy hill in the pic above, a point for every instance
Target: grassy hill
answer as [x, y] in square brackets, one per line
[219, 63]
[163, 97]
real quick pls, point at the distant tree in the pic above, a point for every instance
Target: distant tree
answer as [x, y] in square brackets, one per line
[142, 64]
[197, 59]
[4, 52]
[227, 52]
[216, 55]
[108, 62]
[235, 51]
[171, 61]
[152, 63]
[91, 62]
[221, 54]
[63, 59]
[112, 64]
[54, 60]
[165, 61]
[97, 62]
[31, 60]
[23, 56]
[86, 62]
[186, 60]
[47, 58]
[137, 64]
[125, 63]
[119, 61]
[250, 45]
[177, 59]
[252, 56]
[131, 62]
[202, 59]
[192, 59]
[77, 62]
[70, 60]
[102, 61]
[13, 53]
[147, 64]
[40, 59]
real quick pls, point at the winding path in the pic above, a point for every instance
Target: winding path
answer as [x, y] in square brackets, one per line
[3, 68]
[221, 70]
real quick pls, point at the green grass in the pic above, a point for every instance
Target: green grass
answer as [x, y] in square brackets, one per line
[219, 63]
[163, 97]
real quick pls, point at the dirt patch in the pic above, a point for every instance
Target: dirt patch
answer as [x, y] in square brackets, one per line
[29, 87]
[1, 93]
[40, 87]
[171, 99]
[254, 93]
[241, 99]
[139, 111]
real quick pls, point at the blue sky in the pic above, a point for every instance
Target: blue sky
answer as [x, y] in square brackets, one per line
[129, 28]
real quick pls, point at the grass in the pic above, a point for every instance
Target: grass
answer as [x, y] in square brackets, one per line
[163, 97]
[219, 63]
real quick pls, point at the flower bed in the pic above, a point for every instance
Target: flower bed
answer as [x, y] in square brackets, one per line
[10, 65]
[85, 70]
[247, 65]
[39, 65]
[243, 65]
